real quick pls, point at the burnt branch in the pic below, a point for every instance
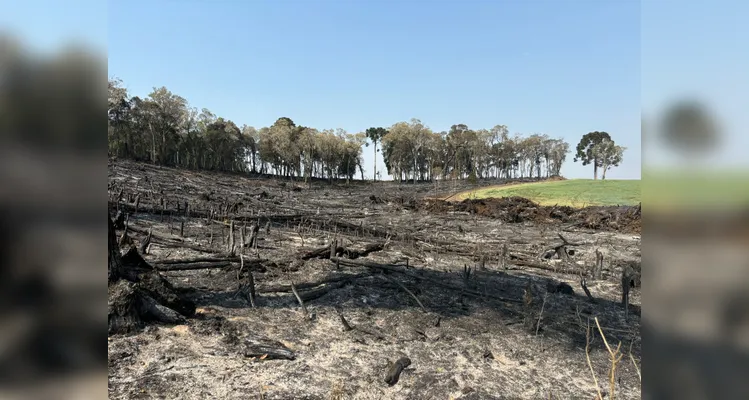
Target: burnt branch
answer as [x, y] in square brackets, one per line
[583, 284]
[395, 369]
[301, 303]
[329, 252]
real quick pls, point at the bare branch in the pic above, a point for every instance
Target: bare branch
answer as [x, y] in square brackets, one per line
[301, 303]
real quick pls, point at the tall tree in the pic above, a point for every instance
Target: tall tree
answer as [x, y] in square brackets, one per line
[585, 151]
[609, 154]
[249, 136]
[558, 153]
[119, 113]
[308, 144]
[162, 128]
[375, 135]
[169, 114]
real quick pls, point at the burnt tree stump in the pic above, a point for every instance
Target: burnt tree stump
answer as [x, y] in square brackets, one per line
[137, 293]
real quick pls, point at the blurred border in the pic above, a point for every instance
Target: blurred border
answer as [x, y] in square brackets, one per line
[52, 237]
[696, 200]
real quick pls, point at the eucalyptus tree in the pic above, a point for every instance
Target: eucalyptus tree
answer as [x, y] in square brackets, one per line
[609, 154]
[375, 135]
[585, 150]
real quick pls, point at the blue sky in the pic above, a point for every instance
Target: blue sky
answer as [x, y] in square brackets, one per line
[563, 68]
[555, 67]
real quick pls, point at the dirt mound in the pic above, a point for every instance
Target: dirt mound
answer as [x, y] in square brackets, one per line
[617, 218]
[519, 209]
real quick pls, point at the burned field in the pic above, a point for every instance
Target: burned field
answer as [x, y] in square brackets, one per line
[363, 291]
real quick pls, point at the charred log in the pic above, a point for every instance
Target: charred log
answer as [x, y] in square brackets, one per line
[137, 293]
[340, 251]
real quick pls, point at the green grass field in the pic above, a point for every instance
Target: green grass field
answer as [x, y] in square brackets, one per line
[572, 192]
[660, 190]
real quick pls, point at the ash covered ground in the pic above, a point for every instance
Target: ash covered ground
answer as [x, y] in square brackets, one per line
[471, 292]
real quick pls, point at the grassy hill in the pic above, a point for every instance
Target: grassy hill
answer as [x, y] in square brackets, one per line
[572, 192]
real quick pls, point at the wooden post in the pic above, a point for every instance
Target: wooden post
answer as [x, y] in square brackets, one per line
[231, 237]
[254, 229]
[598, 271]
[333, 246]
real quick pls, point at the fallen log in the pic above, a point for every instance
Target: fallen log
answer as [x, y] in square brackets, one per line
[265, 349]
[558, 269]
[197, 260]
[252, 264]
[192, 266]
[370, 248]
[340, 251]
[184, 245]
[320, 252]
[166, 240]
[150, 309]
[317, 293]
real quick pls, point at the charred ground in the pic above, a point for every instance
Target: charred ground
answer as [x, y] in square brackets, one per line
[470, 292]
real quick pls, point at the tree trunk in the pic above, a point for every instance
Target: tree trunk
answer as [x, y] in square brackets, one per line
[253, 162]
[374, 174]
[595, 169]
[115, 267]
[153, 143]
[137, 293]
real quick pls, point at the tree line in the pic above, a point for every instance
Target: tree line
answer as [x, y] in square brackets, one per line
[163, 128]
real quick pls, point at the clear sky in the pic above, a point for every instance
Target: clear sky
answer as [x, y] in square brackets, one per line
[560, 67]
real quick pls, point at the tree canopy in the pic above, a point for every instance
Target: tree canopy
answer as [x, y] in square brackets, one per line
[375, 135]
[163, 128]
[599, 149]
